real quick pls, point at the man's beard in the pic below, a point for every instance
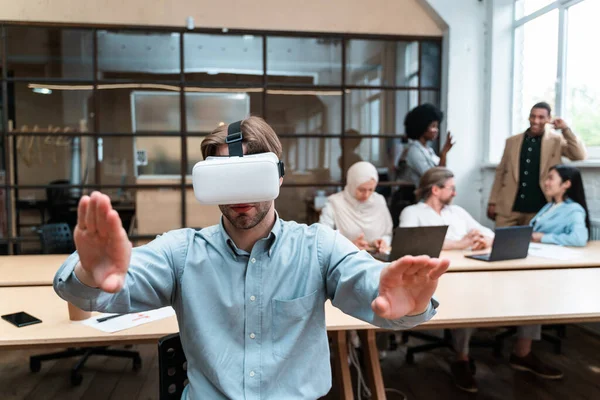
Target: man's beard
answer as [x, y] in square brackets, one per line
[243, 220]
[446, 202]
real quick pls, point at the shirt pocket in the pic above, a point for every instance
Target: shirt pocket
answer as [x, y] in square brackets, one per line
[295, 324]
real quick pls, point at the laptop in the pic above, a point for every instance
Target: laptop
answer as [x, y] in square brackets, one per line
[422, 240]
[510, 243]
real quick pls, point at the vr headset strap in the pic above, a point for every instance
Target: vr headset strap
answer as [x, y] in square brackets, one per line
[234, 139]
[234, 143]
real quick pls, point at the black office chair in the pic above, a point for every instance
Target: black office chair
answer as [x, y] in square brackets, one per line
[57, 239]
[172, 367]
[402, 198]
[436, 342]
[61, 204]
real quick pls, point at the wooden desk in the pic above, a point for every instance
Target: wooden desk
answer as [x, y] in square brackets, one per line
[459, 263]
[467, 299]
[36, 270]
[29, 270]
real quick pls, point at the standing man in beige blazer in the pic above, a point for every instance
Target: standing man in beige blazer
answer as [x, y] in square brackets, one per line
[517, 191]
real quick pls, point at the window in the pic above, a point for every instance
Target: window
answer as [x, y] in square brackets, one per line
[536, 49]
[125, 110]
[524, 8]
[582, 84]
[552, 64]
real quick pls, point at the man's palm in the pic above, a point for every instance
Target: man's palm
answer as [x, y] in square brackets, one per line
[406, 286]
[102, 244]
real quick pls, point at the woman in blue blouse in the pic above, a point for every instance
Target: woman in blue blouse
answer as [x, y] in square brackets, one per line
[565, 220]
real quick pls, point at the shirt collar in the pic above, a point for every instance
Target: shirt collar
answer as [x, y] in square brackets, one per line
[266, 243]
[425, 205]
[529, 136]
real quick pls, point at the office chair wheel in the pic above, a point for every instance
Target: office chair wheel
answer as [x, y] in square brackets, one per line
[410, 358]
[76, 378]
[35, 365]
[137, 363]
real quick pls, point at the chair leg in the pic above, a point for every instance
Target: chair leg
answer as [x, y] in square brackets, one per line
[499, 341]
[411, 351]
[436, 342]
[35, 362]
[562, 331]
[556, 341]
[133, 355]
[76, 377]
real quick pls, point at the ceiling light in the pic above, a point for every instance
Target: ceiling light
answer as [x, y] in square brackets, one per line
[42, 90]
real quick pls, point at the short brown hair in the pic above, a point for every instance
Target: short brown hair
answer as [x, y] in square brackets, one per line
[436, 176]
[258, 136]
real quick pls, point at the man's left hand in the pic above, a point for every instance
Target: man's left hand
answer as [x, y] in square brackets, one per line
[406, 286]
[559, 123]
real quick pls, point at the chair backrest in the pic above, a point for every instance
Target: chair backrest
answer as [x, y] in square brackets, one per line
[61, 205]
[57, 196]
[56, 239]
[402, 198]
[172, 367]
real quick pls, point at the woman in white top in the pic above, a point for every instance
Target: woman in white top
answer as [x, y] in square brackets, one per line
[422, 124]
[358, 212]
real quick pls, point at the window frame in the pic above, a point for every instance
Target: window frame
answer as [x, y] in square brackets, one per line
[561, 87]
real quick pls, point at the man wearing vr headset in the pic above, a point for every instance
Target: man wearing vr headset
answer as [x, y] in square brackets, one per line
[249, 293]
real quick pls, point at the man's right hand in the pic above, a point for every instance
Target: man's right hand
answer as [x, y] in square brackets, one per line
[102, 244]
[491, 211]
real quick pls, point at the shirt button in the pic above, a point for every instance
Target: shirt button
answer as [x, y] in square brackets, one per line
[530, 149]
[252, 298]
[533, 140]
[524, 184]
[254, 259]
[252, 336]
[251, 373]
[522, 196]
[528, 161]
[526, 172]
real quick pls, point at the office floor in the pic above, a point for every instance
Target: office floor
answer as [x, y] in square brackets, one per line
[428, 379]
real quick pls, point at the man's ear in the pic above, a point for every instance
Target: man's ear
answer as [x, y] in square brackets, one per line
[280, 181]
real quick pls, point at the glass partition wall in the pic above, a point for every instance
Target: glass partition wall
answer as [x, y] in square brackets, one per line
[125, 111]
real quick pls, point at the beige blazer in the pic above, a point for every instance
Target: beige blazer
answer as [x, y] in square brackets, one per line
[506, 181]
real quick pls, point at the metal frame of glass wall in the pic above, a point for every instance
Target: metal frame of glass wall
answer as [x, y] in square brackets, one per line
[183, 85]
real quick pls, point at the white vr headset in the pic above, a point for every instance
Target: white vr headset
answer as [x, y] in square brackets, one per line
[237, 179]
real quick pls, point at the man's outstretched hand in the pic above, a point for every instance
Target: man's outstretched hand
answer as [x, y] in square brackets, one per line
[406, 286]
[102, 243]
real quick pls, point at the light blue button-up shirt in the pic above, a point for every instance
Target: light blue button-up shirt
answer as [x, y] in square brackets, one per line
[252, 324]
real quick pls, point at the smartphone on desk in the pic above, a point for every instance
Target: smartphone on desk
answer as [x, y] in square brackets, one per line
[21, 319]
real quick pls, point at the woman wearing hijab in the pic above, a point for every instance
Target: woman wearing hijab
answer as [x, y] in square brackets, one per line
[358, 212]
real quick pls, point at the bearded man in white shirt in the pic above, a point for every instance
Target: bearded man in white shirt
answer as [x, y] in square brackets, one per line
[436, 191]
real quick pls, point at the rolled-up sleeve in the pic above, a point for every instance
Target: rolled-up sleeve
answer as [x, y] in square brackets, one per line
[150, 282]
[352, 281]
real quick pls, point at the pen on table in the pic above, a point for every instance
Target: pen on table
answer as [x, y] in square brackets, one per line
[109, 317]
